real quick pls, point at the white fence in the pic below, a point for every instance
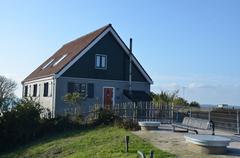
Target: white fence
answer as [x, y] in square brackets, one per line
[225, 119]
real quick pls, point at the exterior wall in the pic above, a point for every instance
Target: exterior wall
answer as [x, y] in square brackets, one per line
[46, 102]
[117, 63]
[119, 86]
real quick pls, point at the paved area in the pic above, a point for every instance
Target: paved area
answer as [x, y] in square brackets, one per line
[174, 142]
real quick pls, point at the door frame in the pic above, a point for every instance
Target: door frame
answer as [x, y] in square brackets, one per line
[113, 100]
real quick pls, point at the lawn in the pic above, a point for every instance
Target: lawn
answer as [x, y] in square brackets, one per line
[101, 142]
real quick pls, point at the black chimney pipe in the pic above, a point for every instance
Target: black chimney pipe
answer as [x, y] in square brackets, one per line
[130, 67]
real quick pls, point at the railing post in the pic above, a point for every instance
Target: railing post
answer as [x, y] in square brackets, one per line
[190, 112]
[209, 114]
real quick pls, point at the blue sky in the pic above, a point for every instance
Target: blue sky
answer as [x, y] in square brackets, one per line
[189, 45]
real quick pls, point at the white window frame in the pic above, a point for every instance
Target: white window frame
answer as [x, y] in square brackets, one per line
[101, 55]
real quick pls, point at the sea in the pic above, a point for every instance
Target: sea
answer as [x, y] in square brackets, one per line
[211, 106]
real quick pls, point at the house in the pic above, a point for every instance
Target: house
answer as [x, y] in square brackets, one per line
[98, 65]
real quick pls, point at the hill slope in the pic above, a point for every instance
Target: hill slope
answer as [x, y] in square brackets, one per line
[101, 142]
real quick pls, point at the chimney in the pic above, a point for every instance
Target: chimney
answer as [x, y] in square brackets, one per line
[130, 67]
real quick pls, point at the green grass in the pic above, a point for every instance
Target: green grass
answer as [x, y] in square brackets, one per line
[101, 142]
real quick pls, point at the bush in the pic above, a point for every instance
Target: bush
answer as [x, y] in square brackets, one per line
[23, 123]
[106, 116]
[19, 125]
[128, 124]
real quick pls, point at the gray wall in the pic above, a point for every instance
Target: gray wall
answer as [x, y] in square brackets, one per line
[62, 89]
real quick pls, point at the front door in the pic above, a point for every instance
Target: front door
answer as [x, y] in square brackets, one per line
[108, 97]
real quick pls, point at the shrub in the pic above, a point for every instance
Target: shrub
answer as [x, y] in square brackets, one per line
[20, 125]
[128, 124]
[106, 116]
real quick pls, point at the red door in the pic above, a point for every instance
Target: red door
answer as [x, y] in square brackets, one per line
[108, 98]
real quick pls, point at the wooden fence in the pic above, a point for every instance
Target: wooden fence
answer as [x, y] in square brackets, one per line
[141, 111]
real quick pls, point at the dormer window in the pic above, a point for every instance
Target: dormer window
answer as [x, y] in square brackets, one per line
[101, 61]
[59, 60]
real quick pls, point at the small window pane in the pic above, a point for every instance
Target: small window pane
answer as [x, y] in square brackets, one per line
[45, 91]
[70, 87]
[98, 61]
[103, 62]
[83, 88]
[26, 91]
[35, 90]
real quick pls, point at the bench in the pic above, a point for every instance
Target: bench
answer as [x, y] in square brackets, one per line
[194, 124]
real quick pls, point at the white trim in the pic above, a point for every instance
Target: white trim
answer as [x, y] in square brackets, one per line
[83, 52]
[110, 29]
[102, 80]
[38, 80]
[54, 98]
[113, 98]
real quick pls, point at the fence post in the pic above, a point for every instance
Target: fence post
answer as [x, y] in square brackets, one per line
[151, 154]
[190, 112]
[238, 128]
[172, 112]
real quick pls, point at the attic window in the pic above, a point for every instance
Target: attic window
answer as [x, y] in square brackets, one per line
[59, 60]
[101, 61]
[47, 64]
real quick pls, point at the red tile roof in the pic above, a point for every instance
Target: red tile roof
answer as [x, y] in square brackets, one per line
[71, 49]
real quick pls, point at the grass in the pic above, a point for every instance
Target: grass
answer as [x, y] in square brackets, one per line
[101, 142]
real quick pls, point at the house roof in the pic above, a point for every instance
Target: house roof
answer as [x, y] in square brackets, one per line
[72, 51]
[137, 96]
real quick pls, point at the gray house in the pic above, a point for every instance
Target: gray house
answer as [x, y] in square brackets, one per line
[98, 65]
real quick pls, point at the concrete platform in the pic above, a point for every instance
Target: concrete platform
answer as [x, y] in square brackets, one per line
[210, 144]
[149, 125]
[174, 142]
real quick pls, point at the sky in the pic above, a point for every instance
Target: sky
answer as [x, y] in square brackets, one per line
[189, 45]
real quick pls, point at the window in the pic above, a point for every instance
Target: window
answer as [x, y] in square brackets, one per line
[34, 90]
[101, 61]
[26, 91]
[77, 87]
[59, 60]
[47, 64]
[70, 87]
[30, 91]
[39, 90]
[45, 89]
[83, 87]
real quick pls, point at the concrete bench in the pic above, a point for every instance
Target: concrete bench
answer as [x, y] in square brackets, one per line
[209, 144]
[149, 125]
[194, 124]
